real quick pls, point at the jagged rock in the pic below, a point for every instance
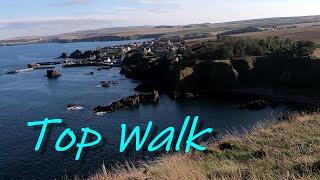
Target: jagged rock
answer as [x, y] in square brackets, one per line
[175, 95]
[152, 97]
[87, 54]
[187, 80]
[77, 54]
[189, 96]
[185, 73]
[115, 106]
[12, 72]
[108, 83]
[63, 55]
[255, 105]
[90, 73]
[130, 101]
[105, 84]
[71, 105]
[33, 65]
[53, 74]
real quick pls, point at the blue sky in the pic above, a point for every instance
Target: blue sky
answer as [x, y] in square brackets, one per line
[50, 17]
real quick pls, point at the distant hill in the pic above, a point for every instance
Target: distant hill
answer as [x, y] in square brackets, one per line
[181, 32]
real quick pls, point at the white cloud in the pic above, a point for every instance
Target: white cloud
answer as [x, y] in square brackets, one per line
[73, 2]
[165, 12]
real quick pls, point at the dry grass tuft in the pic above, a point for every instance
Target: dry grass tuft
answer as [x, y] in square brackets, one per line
[286, 149]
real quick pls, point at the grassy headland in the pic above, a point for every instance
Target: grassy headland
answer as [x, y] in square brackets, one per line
[227, 64]
[286, 149]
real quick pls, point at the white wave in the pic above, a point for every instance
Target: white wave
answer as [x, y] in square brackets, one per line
[75, 108]
[99, 113]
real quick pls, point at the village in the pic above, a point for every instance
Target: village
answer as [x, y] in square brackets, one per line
[112, 56]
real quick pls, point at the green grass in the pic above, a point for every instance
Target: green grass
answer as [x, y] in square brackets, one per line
[292, 149]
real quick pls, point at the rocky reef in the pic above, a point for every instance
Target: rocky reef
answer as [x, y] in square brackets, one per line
[53, 74]
[129, 102]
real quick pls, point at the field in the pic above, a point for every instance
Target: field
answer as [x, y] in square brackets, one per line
[308, 31]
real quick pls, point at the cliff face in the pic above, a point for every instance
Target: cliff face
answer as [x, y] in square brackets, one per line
[272, 71]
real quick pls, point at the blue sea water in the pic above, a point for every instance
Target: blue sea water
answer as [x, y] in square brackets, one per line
[30, 96]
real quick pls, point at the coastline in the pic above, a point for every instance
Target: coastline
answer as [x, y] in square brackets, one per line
[92, 39]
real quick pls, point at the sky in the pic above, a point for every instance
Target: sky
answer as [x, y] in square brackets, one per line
[53, 17]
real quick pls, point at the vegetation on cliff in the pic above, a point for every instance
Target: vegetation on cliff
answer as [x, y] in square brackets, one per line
[228, 48]
[286, 149]
[228, 63]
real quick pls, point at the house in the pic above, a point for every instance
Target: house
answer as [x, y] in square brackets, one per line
[108, 60]
[92, 58]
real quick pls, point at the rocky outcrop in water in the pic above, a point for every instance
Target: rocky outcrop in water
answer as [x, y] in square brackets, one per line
[74, 107]
[258, 105]
[90, 73]
[63, 55]
[152, 97]
[53, 74]
[129, 102]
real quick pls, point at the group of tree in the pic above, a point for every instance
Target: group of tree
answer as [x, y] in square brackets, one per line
[228, 48]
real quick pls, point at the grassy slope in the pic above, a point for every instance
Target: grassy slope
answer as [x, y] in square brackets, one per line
[307, 31]
[292, 147]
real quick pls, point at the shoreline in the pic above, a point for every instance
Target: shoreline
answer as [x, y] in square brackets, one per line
[76, 41]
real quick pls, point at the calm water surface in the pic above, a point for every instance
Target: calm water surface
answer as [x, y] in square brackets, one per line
[30, 96]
